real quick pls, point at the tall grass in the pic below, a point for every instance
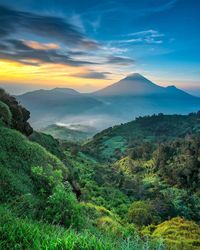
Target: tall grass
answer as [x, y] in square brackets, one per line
[18, 234]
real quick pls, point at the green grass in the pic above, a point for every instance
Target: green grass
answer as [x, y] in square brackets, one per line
[18, 234]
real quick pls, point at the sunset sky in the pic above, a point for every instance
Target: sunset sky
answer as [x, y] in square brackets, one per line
[87, 45]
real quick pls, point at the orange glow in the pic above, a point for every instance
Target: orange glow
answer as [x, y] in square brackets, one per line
[41, 46]
[50, 75]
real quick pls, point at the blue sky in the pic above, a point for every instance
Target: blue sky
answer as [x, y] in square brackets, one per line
[101, 41]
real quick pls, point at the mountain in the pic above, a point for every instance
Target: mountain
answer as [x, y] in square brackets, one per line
[137, 85]
[136, 96]
[50, 106]
[120, 102]
[132, 85]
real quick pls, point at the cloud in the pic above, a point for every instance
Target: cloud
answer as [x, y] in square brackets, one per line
[56, 28]
[120, 60]
[77, 21]
[151, 32]
[20, 51]
[93, 75]
[63, 42]
[41, 46]
[168, 5]
[142, 37]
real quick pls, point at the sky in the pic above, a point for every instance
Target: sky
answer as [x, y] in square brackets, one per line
[87, 45]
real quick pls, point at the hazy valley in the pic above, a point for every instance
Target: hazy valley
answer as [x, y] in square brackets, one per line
[121, 102]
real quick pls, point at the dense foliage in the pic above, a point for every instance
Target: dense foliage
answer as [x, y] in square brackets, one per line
[112, 143]
[142, 192]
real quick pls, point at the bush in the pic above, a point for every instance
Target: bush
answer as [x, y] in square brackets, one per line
[142, 213]
[178, 233]
[63, 208]
[112, 226]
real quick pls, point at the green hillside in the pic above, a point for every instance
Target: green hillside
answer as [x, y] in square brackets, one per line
[133, 186]
[38, 205]
[38, 193]
[112, 143]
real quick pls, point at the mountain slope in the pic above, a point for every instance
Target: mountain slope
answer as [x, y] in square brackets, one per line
[137, 85]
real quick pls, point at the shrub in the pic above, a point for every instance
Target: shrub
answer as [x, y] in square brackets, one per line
[142, 213]
[63, 208]
[178, 233]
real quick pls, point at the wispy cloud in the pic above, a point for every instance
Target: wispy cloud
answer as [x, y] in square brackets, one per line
[142, 37]
[168, 5]
[120, 60]
[92, 75]
[41, 46]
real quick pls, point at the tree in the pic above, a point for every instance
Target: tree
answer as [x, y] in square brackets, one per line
[20, 115]
[5, 114]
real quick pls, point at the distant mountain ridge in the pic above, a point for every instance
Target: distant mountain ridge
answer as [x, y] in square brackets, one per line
[134, 84]
[120, 102]
[51, 106]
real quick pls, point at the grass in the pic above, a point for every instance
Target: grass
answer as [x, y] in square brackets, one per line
[18, 234]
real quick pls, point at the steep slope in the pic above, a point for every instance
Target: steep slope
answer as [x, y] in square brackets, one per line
[50, 106]
[19, 158]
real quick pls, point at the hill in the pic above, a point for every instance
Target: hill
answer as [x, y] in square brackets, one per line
[113, 142]
[130, 181]
[39, 208]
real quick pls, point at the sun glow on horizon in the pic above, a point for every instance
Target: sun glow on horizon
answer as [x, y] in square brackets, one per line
[50, 75]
